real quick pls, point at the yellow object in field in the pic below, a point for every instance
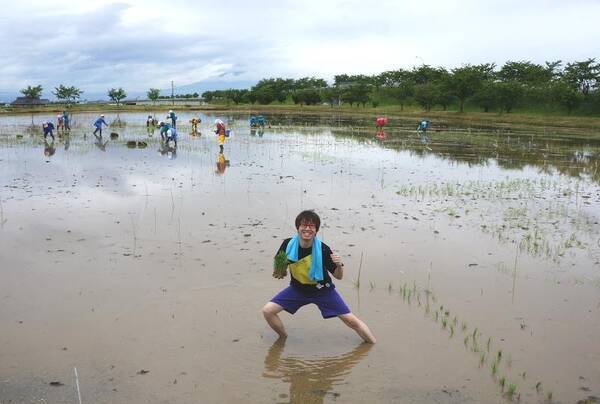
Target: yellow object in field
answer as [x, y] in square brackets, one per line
[221, 140]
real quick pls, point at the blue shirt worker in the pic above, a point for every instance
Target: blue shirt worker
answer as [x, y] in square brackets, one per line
[66, 120]
[173, 118]
[422, 126]
[164, 127]
[310, 263]
[48, 127]
[98, 124]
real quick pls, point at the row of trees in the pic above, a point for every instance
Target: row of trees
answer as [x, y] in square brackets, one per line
[553, 86]
[534, 86]
[70, 94]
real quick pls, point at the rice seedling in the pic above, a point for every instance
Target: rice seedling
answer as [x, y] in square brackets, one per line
[549, 396]
[482, 358]
[538, 387]
[487, 345]
[437, 315]
[371, 285]
[466, 341]
[455, 321]
[444, 323]
[494, 368]
[475, 331]
[451, 331]
[390, 287]
[511, 390]
[502, 383]
[524, 375]
[464, 326]
[499, 356]
[357, 282]
[280, 264]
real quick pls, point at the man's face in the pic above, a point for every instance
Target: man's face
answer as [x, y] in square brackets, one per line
[307, 231]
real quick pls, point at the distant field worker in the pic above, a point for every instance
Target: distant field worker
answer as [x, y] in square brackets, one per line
[173, 118]
[48, 127]
[220, 132]
[381, 121]
[60, 123]
[66, 120]
[422, 126]
[150, 121]
[195, 122]
[171, 134]
[98, 124]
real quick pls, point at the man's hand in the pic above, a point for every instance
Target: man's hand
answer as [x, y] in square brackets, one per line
[337, 260]
[279, 275]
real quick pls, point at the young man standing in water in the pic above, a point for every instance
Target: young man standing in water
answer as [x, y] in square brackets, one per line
[310, 261]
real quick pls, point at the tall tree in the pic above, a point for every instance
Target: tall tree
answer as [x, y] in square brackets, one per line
[32, 92]
[69, 94]
[466, 80]
[117, 94]
[582, 75]
[153, 94]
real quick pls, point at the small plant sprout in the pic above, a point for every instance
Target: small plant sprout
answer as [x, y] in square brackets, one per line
[481, 359]
[494, 368]
[524, 375]
[499, 356]
[444, 323]
[502, 383]
[466, 340]
[489, 341]
[511, 390]
[464, 326]
[538, 387]
[475, 331]
[455, 321]
[451, 330]
[549, 396]
[437, 315]
[371, 285]
[390, 287]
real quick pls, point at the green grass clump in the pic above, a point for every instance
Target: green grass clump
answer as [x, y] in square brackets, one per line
[511, 390]
[280, 264]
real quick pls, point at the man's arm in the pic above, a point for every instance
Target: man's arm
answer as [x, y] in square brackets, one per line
[338, 273]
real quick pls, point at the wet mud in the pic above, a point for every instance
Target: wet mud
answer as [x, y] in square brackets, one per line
[134, 271]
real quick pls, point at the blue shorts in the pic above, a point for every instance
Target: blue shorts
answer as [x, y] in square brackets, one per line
[329, 302]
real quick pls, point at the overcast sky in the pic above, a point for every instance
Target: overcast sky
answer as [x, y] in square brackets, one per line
[98, 44]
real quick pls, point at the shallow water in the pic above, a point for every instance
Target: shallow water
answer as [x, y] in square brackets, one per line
[145, 268]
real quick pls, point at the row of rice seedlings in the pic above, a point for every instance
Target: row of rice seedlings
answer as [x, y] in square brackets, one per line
[471, 342]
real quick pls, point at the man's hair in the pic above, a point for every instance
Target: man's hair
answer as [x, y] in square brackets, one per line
[308, 216]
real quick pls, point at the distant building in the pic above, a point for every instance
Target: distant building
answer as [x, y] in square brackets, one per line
[29, 102]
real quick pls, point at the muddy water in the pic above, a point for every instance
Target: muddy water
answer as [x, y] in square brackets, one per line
[144, 268]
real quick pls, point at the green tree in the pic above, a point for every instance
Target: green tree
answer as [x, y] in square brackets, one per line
[32, 92]
[566, 96]
[153, 95]
[70, 94]
[426, 94]
[509, 94]
[466, 80]
[331, 95]
[486, 96]
[117, 94]
[582, 75]
[308, 96]
[265, 94]
[400, 93]
[356, 93]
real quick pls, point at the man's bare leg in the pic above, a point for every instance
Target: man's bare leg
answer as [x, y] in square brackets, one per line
[357, 325]
[270, 312]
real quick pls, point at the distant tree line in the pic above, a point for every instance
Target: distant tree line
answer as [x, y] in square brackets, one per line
[553, 86]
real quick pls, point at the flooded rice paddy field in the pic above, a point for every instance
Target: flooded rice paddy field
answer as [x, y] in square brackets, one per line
[135, 273]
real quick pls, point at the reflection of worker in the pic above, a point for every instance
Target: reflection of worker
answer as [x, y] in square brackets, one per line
[169, 151]
[49, 148]
[310, 261]
[220, 132]
[422, 126]
[98, 124]
[48, 128]
[99, 143]
[311, 379]
[221, 163]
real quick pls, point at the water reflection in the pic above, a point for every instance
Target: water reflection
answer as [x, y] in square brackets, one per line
[311, 379]
[221, 163]
[168, 150]
[100, 143]
[49, 148]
